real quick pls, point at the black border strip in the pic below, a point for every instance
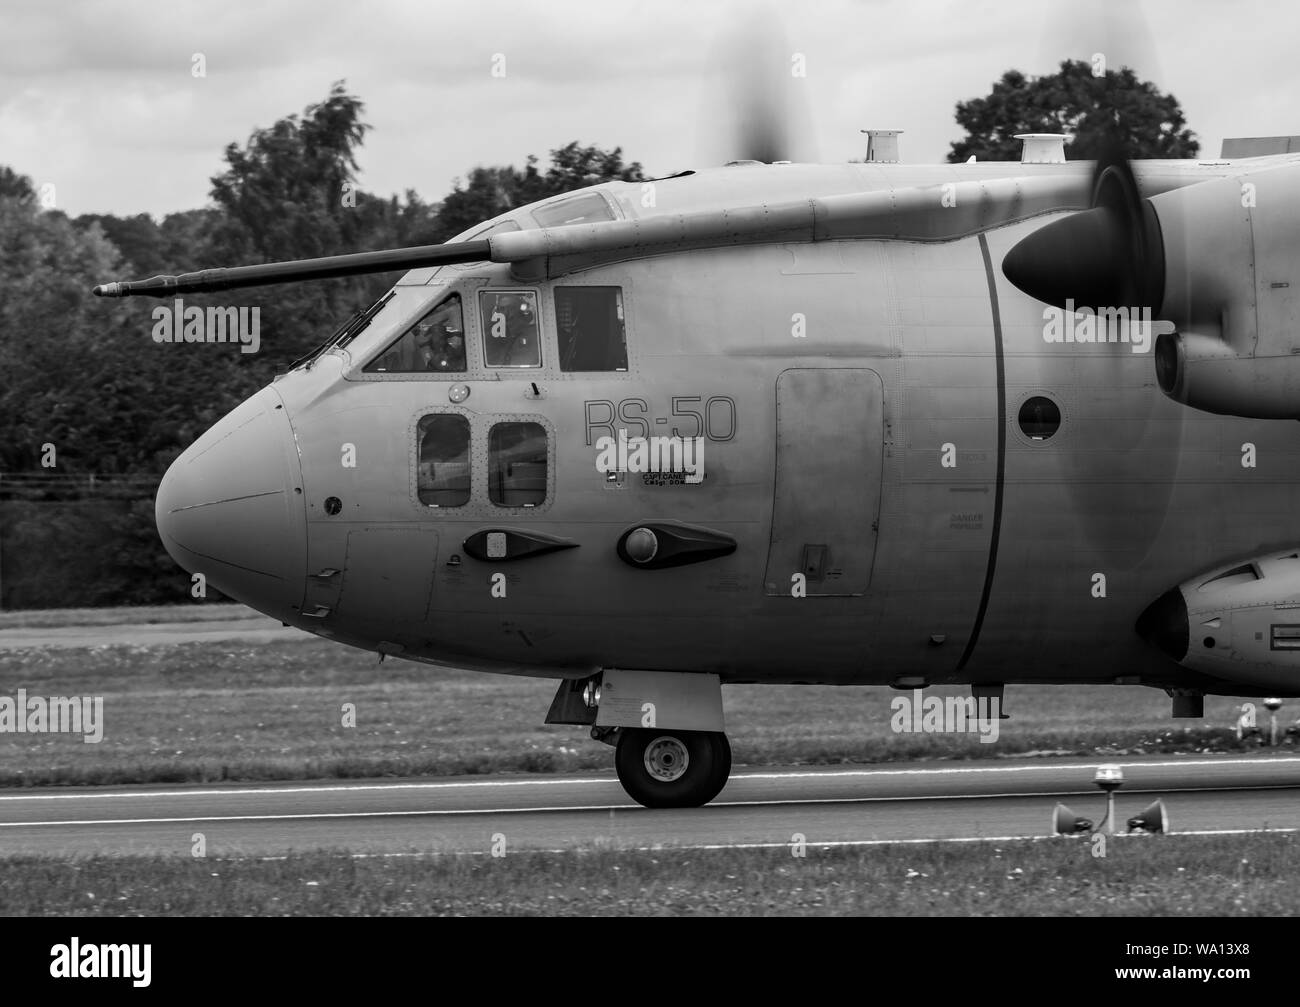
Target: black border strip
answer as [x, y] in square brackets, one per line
[1002, 455]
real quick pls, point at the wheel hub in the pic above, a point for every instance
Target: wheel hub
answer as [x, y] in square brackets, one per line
[666, 759]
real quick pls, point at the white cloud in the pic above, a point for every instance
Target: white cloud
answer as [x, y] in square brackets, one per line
[99, 95]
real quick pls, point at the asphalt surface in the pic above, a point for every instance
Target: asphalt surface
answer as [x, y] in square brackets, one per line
[912, 802]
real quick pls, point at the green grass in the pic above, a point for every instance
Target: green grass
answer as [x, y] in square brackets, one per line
[1153, 876]
[236, 711]
[140, 615]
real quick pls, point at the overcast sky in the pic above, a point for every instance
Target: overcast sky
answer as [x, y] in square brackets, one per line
[99, 98]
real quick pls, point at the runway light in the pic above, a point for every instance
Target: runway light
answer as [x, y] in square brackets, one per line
[1109, 778]
[1066, 823]
[1152, 818]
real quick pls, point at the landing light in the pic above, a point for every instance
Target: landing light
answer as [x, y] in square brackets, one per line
[591, 695]
[641, 545]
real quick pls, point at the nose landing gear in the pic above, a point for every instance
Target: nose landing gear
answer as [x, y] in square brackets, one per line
[682, 764]
[672, 769]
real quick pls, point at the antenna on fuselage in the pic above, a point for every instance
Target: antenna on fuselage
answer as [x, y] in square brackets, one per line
[1042, 148]
[882, 145]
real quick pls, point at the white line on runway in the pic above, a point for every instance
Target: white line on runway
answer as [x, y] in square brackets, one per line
[557, 781]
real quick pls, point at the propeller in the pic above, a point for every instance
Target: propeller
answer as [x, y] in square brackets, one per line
[1111, 255]
[761, 99]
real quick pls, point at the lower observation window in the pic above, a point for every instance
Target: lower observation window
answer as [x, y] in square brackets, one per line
[517, 460]
[444, 460]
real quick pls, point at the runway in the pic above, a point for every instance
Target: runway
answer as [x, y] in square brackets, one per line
[832, 806]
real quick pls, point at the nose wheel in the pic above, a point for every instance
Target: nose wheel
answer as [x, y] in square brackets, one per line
[672, 769]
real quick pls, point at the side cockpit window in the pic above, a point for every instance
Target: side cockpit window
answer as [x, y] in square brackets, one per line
[517, 460]
[590, 330]
[589, 208]
[444, 460]
[435, 343]
[510, 332]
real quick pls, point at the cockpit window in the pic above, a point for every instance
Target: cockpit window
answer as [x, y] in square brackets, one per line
[585, 209]
[501, 227]
[435, 343]
[510, 334]
[589, 326]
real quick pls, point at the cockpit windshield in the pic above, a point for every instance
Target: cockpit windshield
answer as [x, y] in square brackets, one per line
[434, 343]
[346, 332]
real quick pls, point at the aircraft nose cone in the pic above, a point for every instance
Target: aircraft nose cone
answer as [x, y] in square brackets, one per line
[229, 508]
[1164, 624]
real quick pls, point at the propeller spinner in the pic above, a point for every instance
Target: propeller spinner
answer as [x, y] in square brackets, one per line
[1111, 255]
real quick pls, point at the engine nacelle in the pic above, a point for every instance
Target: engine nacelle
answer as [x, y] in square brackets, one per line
[1232, 289]
[1205, 373]
[1239, 623]
[1219, 259]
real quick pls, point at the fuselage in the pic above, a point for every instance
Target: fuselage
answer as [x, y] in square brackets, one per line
[863, 420]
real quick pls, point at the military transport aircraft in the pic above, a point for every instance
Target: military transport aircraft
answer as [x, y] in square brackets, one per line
[866, 423]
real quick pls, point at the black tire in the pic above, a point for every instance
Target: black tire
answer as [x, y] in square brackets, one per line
[668, 785]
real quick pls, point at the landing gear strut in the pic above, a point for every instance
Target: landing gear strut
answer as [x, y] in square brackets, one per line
[672, 769]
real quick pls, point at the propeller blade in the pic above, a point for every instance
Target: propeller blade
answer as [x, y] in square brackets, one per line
[761, 99]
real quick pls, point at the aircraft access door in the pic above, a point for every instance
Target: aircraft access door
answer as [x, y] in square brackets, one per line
[829, 456]
[389, 573]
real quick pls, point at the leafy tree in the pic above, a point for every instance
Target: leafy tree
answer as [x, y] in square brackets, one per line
[1099, 112]
[283, 193]
[138, 239]
[83, 373]
[291, 193]
[574, 167]
[15, 186]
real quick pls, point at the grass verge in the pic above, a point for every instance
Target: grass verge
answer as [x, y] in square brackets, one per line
[227, 710]
[1153, 876]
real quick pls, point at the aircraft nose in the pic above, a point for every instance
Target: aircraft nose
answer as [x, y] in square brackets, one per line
[1164, 624]
[231, 508]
